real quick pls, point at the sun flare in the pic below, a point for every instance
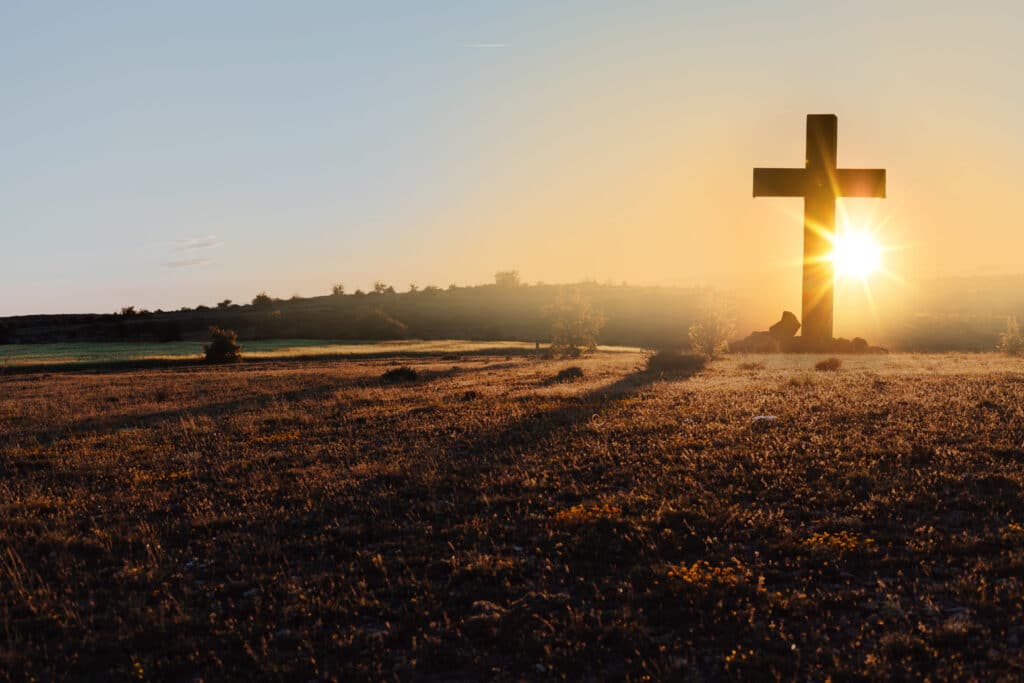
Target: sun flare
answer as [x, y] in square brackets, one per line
[856, 254]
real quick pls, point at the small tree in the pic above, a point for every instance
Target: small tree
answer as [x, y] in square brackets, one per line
[223, 346]
[507, 278]
[338, 290]
[413, 288]
[710, 334]
[224, 304]
[1011, 342]
[380, 287]
[574, 325]
[128, 312]
[262, 300]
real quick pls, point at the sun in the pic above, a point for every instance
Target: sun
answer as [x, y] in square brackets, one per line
[856, 254]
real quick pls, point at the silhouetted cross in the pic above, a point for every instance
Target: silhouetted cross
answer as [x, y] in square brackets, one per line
[819, 183]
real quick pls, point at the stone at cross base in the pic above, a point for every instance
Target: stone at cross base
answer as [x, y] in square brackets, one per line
[781, 338]
[785, 329]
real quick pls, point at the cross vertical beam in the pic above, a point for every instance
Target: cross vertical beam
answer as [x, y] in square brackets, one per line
[819, 183]
[819, 226]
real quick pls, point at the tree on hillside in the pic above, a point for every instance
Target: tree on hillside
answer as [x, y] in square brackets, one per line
[224, 304]
[379, 287]
[338, 290]
[413, 288]
[574, 324]
[507, 278]
[262, 300]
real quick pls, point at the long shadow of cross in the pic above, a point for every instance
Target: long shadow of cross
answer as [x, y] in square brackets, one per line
[573, 410]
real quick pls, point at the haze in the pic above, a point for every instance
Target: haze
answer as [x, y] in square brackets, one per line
[162, 156]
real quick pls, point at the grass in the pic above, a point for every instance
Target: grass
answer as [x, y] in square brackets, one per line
[305, 521]
[101, 355]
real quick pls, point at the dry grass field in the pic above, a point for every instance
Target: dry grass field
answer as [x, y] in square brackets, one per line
[304, 520]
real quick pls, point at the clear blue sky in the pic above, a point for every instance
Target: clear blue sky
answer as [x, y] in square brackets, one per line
[169, 154]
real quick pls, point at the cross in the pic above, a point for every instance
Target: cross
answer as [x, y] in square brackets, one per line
[819, 183]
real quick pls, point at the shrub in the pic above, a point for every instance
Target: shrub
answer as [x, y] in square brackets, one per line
[262, 300]
[338, 290]
[570, 374]
[224, 304]
[223, 346]
[675, 362]
[829, 364]
[402, 374]
[710, 334]
[574, 325]
[1011, 342]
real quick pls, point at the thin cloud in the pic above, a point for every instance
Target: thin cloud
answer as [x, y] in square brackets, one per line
[207, 242]
[188, 263]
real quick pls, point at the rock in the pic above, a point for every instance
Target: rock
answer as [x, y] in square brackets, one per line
[786, 328]
[781, 337]
[757, 342]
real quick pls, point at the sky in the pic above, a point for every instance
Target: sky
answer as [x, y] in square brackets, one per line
[171, 154]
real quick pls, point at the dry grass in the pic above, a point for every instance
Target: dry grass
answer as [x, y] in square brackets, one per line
[302, 520]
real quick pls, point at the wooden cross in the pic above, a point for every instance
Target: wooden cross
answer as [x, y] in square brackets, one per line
[819, 183]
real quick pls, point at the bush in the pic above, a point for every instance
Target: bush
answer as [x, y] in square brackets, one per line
[1011, 342]
[569, 374]
[710, 334]
[574, 325]
[338, 290]
[223, 346]
[829, 364]
[675, 362]
[402, 374]
[262, 300]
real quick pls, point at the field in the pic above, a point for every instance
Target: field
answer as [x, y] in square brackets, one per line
[304, 520]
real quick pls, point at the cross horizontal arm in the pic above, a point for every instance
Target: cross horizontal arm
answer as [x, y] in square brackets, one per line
[780, 182]
[860, 182]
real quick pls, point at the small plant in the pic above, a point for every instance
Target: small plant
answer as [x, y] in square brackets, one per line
[710, 334]
[829, 364]
[675, 362]
[574, 325]
[223, 346]
[397, 375]
[338, 290]
[1011, 342]
[262, 300]
[570, 374]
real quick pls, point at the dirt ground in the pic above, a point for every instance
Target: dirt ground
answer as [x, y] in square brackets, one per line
[303, 520]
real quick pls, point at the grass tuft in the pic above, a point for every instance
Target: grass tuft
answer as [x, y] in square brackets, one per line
[829, 365]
